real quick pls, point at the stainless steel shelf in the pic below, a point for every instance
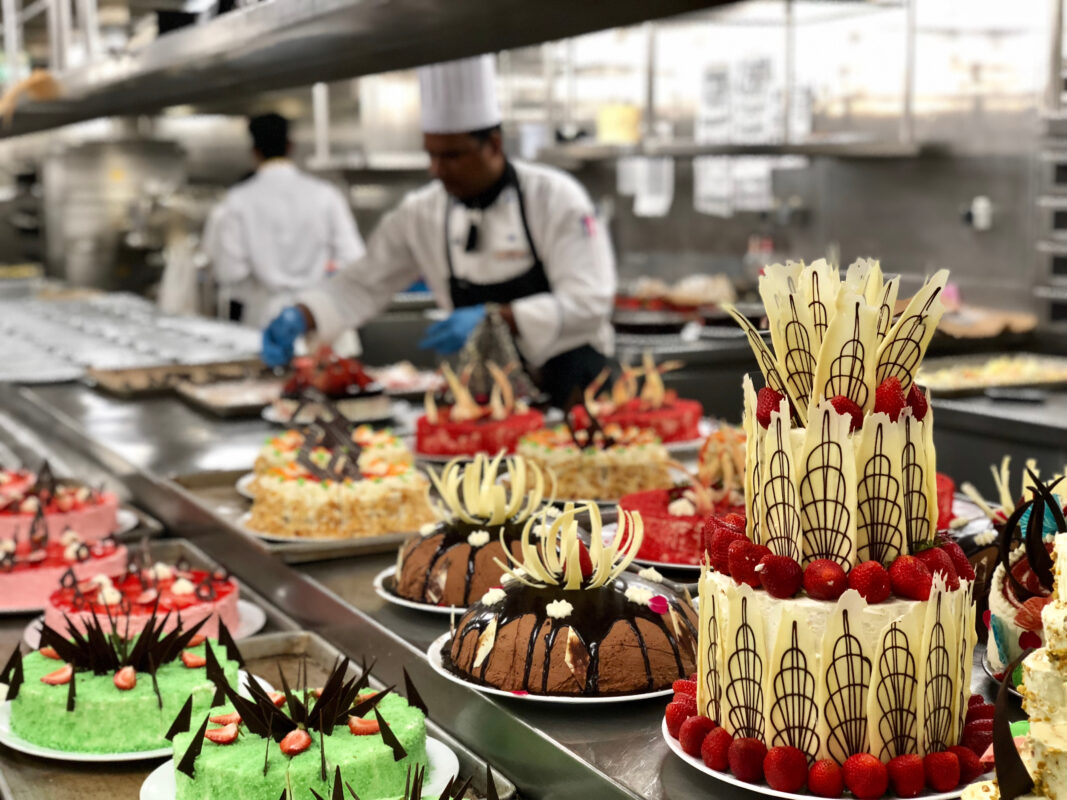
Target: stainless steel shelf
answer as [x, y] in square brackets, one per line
[288, 43]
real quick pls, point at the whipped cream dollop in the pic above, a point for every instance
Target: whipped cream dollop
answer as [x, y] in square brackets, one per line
[639, 595]
[82, 494]
[69, 535]
[478, 538]
[650, 574]
[7, 545]
[109, 595]
[70, 552]
[182, 586]
[682, 507]
[559, 609]
[159, 571]
[428, 529]
[100, 581]
[509, 577]
[29, 505]
[493, 596]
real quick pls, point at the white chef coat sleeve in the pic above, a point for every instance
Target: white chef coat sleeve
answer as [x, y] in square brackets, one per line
[580, 267]
[225, 246]
[359, 291]
[346, 245]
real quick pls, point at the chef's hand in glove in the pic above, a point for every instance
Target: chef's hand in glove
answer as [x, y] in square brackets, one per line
[448, 336]
[280, 336]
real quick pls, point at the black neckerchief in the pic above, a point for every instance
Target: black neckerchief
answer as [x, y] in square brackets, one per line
[489, 196]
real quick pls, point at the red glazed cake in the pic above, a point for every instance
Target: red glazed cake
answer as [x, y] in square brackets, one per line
[674, 523]
[30, 569]
[63, 505]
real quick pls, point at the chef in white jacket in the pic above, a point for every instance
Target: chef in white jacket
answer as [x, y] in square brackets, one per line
[280, 231]
[486, 231]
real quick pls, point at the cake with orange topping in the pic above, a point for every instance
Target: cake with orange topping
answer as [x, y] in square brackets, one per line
[374, 445]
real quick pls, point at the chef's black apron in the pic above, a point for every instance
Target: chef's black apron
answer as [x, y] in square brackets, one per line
[561, 375]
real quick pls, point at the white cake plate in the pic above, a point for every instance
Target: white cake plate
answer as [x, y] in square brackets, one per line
[442, 766]
[762, 788]
[386, 578]
[250, 620]
[125, 521]
[433, 654]
[243, 484]
[15, 742]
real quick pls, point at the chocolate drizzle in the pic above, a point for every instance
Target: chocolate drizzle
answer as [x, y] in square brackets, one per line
[799, 361]
[880, 513]
[781, 530]
[1033, 538]
[713, 708]
[594, 436]
[847, 678]
[901, 355]
[913, 471]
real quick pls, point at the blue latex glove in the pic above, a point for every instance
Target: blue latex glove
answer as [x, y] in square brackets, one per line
[280, 336]
[449, 335]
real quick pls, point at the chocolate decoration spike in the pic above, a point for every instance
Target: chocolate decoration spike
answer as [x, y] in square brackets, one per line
[351, 791]
[38, 530]
[462, 790]
[285, 794]
[181, 722]
[268, 738]
[297, 710]
[68, 580]
[322, 753]
[390, 738]
[446, 793]
[155, 683]
[12, 674]
[1037, 554]
[233, 652]
[1007, 536]
[72, 690]
[205, 590]
[82, 553]
[490, 784]
[214, 673]
[338, 785]
[316, 795]
[187, 765]
[413, 696]
[46, 480]
[370, 703]
[1012, 776]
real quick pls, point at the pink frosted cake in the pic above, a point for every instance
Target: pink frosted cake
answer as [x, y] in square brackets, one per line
[130, 600]
[30, 572]
[63, 505]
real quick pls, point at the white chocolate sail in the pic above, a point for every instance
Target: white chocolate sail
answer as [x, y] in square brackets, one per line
[846, 361]
[709, 657]
[744, 648]
[880, 534]
[779, 499]
[753, 464]
[818, 285]
[938, 673]
[764, 357]
[918, 468]
[904, 346]
[792, 332]
[827, 483]
[847, 666]
[892, 704]
[793, 714]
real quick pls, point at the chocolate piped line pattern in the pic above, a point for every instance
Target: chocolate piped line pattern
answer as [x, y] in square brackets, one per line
[901, 355]
[938, 688]
[820, 318]
[895, 694]
[781, 531]
[744, 686]
[824, 512]
[847, 368]
[799, 361]
[712, 676]
[794, 714]
[880, 514]
[847, 678]
[885, 309]
[913, 471]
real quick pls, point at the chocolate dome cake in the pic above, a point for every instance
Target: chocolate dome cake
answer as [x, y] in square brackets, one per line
[455, 561]
[575, 622]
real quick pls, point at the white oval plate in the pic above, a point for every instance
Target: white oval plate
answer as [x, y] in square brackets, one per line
[443, 766]
[433, 654]
[389, 597]
[726, 777]
[126, 521]
[250, 618]
[7, 737]
[439, 459]
[243, 483]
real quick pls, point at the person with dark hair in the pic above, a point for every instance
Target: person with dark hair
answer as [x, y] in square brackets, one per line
[487, 231]
[278, 233]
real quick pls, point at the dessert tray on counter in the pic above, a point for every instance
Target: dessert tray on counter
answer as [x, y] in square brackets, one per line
[963, 376]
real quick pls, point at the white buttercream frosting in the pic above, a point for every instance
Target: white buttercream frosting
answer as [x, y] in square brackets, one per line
[478, 538]
[682, 507]
[183, 586]
[492, 596]
[650, 574]
[639, 595]
[559, 609]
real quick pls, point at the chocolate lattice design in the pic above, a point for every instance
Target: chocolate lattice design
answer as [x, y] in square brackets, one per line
[913, 471]
[885, 312]
[878, 508]
[825, 515]
[820, 319]
[793, 711]
[847, 679]
[799, 361]
[780, 499]
[847, 370]
[938, 689]
[753, 497]
[713, 708]
[895, 694]
[744, 689]
[966, 646]
[903, 353]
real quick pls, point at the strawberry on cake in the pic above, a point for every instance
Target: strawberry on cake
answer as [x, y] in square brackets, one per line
[31, 568]
[63, 505]
[466, 427]
[327, 379]
[173, 593]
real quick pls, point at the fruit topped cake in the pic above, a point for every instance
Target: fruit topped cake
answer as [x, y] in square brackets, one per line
[458, 559]
[95, 692]
[64, 505]
[571, 620]
[655, 408]
[833, 621]
[298, 740]
[466, 427]
[374, 445]
[328, 379]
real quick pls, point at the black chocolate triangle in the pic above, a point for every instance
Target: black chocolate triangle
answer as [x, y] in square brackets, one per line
[414, 698]
[1012, 776]
[232, 651]
[182, 721]
[490, 784]
[72, 690]
[390, 738]
[12, 674]
[187, 766]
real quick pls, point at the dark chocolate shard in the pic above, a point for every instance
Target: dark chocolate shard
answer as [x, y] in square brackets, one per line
[285, 794]
[338, 785]
[457, 793]
[1012, 776]
[351, 791]
[215, 673]
[322, 754]
[46, 480]
[266, 756]
[232, 651]
[364, 706]
[182, 721]
[446, 793]
[38, 530]
[390, 738]
[490, 784]
[1036, 553]
[414, 698]
[12, 674]
[315, 794]
[187, 765]
[72, 690]
[68, 580]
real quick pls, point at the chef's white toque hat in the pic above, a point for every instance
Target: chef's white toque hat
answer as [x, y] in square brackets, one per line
[459, 96]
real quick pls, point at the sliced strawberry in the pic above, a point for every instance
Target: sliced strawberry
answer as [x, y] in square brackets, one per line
[59, 677]
[147, 597]
[1028, 617]
[125, 679]
[278, 698]
[50, 652]
[197, 640]
[228, 734]
[232, 718]
[295, 742]
[362, 727]
[192, 660]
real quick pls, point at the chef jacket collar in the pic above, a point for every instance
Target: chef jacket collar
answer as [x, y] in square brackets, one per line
[489, 196]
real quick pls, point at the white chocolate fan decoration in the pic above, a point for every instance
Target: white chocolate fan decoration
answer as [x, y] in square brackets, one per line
[472, 493]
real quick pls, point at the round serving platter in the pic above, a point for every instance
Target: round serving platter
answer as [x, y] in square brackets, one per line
[384, 587]
[992, 675]
[243, 485]
[433, 654]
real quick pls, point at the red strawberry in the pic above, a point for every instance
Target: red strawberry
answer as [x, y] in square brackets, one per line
[981, 711]
[225, 735]
[977, 736]
[50, 652]
[767, 401]
[192, 660]
[843, 405]
[959, 559]
[691, 736]
[295, 742]
[719, 548]
[785, 768]
[825, 579]
[917, 402]
[226, 719]
[910, 578]
[125, 679]
[889, 398]
[363, 727]
[1028, 617]
[678, 712]
[906, 775]
[825, 779]
[278, 698]
[147, 597]
[871, 580]
[942, 771]
[743, 557]
[970, 765]
[584, 559]
[746, 759]
[781, 576]
[938, 562]
[716, 748]
[865, 776]
[975, 700]
[681, 686]
[59, 677]
[197, 640]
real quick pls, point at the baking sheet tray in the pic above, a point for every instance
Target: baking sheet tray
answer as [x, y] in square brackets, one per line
[192, 393]
[945, 362]
[217, 492]
[154, 380]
